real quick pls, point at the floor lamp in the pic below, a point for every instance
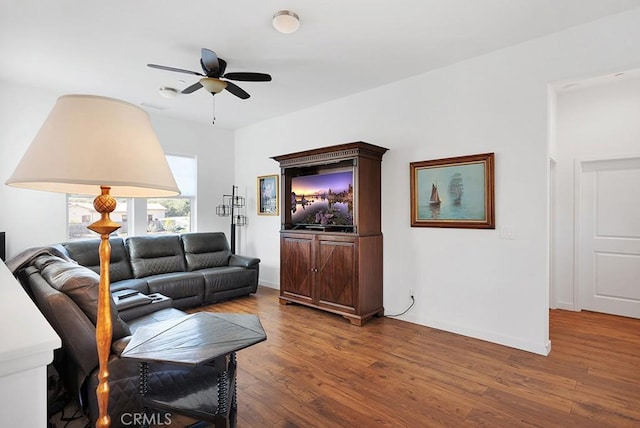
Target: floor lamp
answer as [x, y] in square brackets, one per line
[90, 142]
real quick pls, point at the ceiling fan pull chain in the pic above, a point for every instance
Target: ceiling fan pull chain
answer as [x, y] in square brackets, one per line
[213, 122]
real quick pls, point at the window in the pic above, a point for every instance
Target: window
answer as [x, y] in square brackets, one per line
[163, 215]
[80, 214]
[175, 215]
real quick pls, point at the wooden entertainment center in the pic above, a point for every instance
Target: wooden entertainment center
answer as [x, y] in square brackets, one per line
[333, 262]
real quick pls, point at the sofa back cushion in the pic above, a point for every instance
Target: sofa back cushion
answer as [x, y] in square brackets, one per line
[82, 285]
[85, 252]
[72, 325]
[152, 255]
[205, 250]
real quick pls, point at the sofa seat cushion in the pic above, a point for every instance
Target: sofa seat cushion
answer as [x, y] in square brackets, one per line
[205, 250]
[225, 278]
[177, 285]
[153, 255]
[82, 285]
[85, 252]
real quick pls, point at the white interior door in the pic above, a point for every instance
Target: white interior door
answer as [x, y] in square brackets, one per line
[609, 215]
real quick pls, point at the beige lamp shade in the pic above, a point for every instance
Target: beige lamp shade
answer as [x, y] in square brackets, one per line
[90, 141]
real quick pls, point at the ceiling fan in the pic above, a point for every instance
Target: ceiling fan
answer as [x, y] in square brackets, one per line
[214, 71]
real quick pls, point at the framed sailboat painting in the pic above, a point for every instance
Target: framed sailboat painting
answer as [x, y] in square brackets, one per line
[453, 192]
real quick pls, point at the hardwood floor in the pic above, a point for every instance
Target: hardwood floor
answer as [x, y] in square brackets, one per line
[317, 370]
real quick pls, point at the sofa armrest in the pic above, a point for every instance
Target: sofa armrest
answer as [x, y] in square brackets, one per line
[128, 298]
[118, 346]
[243, 261]
[155, 302]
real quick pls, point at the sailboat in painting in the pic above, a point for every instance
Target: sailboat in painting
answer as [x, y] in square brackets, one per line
[456, 188]
[434, 199]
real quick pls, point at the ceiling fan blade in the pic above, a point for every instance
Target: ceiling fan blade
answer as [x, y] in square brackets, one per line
[191, 88]
[223, 66]
[248, 77]
[179, 70]
[209, 63]
[237, 91]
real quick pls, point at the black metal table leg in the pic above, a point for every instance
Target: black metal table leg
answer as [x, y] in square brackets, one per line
[143, 387]
[233, 413]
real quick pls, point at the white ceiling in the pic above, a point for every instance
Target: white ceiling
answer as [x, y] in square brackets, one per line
[343, 46]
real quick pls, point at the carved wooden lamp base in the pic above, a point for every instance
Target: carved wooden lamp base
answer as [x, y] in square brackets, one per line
[104, 204]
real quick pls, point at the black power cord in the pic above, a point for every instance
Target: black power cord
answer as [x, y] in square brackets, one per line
[413, 302]
[68, 419]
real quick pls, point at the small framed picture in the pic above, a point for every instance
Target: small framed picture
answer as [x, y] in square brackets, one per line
[453, 192]
[268, 191]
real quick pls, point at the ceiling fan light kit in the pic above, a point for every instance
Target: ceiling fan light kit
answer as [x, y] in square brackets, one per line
[213, 85]
[168, 92]
[286, 22]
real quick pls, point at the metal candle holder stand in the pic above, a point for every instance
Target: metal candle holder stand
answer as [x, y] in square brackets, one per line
[231, 203]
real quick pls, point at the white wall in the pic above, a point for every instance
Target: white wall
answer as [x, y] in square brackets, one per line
[32, 218]
[598, 122]
[214, 152]
[466, 281]
[28, 217]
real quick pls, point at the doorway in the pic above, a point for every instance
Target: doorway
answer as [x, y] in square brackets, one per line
[607, 220]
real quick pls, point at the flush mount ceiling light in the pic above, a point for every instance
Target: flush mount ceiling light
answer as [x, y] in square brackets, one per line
[168, 92]
[285, 21]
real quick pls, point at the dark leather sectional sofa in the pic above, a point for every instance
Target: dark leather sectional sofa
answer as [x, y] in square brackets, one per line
[191, 269]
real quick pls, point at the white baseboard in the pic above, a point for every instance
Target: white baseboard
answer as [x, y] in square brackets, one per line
[566, 306]
[269, 284]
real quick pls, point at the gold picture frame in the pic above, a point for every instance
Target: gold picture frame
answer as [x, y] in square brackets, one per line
[268, 195]
[453, 192]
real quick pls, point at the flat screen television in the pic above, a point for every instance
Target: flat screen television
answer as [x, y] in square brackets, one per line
[323, 200]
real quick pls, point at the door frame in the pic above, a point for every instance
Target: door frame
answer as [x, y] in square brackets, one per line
[579, 166]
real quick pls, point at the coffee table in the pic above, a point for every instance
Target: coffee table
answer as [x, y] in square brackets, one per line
[193, 340]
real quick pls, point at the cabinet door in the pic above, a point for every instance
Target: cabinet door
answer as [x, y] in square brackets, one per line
[335, 280]
[296, 275]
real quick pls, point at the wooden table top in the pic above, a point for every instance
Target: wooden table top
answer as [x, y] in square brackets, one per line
[195, 339]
